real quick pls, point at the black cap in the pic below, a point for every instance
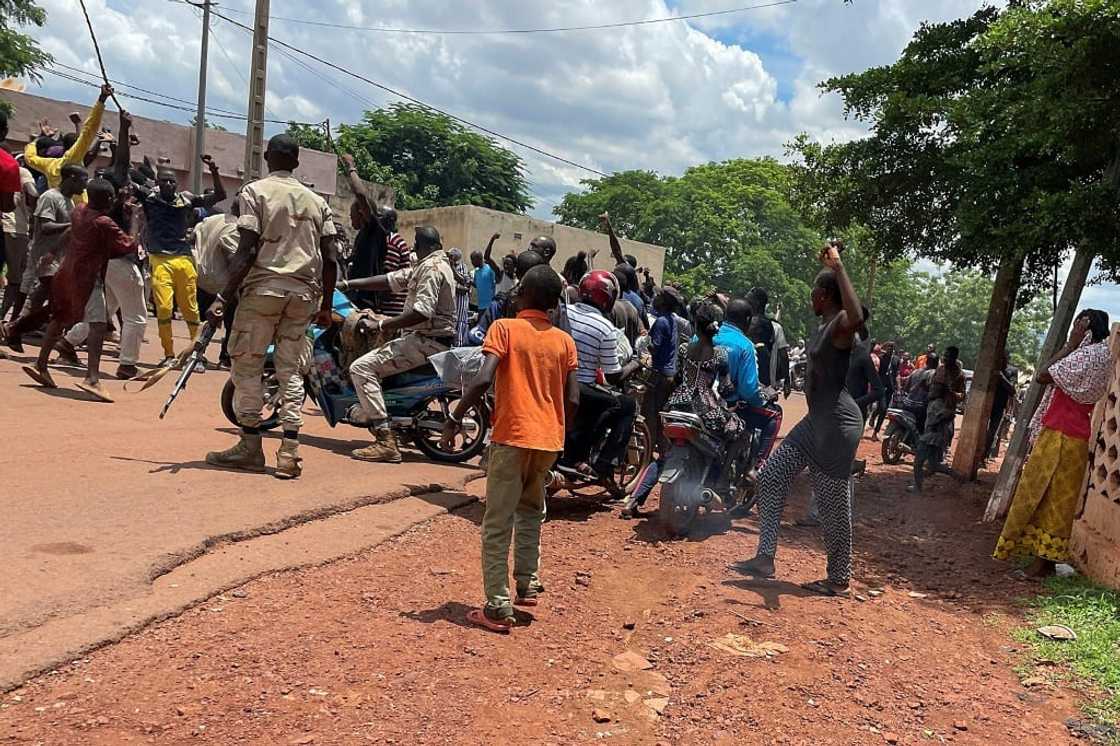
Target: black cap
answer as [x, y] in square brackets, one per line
[283, 144]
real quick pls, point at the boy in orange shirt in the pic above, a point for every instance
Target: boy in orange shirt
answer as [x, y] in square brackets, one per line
[532, 366]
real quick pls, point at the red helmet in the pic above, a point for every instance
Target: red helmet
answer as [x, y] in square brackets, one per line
[599, 288]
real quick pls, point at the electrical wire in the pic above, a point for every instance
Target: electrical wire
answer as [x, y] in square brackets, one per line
[236, 69]
[553, 30]
[79, 70]
[191, 109]
[411, 99]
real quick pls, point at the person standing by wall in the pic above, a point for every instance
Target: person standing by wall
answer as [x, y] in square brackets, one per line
[1040, 519]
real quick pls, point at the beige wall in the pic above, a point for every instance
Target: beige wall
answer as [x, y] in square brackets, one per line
[164, 140]
[1096, 532]
[469, 228]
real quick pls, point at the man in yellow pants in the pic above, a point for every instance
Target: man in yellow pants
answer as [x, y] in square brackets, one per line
[174, 276]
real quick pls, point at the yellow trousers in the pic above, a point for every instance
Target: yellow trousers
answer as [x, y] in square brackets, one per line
[174, 280]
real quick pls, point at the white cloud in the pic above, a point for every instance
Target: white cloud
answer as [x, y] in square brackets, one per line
[661, 96]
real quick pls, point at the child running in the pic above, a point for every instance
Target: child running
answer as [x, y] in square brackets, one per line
[532, 366]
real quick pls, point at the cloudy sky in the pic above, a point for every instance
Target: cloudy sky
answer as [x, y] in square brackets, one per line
[658, 96]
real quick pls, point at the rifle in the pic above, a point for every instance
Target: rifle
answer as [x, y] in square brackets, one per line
[192, 357]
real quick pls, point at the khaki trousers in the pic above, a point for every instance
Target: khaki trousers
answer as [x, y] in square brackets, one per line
[515, 508]
[263, 320]
[402, 354]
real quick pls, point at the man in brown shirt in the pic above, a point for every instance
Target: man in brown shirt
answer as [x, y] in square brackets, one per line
[283, 274]
[427, 325]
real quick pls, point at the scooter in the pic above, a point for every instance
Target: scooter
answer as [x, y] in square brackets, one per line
[418, 401]
[901, 436]
[694, 465]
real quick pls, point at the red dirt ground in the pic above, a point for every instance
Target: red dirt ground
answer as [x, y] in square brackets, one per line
[375, 650]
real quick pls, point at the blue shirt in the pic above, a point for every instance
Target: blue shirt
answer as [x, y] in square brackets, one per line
[485, 281]
[742, 363]
[637, 302]
[663, 345]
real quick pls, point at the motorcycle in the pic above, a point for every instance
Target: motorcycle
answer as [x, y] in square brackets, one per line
[628, 474]
[798, 369]
[696, 459]
[418, 401]
[901, 436]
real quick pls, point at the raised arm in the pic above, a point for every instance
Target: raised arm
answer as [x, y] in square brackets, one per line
[616, 247]
[487, 256]
[851, 317]
[122, 156]
[357, 186]
[219, 193]
[78, 150]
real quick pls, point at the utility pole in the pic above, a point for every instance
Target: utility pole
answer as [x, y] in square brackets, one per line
[200, 114]
[254, 134]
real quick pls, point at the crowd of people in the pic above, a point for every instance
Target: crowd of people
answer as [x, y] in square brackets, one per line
[84, 254]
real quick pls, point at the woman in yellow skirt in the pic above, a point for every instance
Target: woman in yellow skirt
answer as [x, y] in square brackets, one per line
[1040, 519]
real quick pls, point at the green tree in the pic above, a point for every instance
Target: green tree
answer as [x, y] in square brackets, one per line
[429, 159]
[726, 226]
[208, 124]
[20, 54]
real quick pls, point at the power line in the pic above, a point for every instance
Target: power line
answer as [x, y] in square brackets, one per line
[553, 30]
[79, 70]
[179, 107]
[236, 69]
[412, 99]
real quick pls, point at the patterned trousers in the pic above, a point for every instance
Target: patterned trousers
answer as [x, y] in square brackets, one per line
[833, 503]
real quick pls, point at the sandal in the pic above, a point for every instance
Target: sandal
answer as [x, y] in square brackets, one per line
[98, 392]
[478, 618]
[827, 588]
[41, 377]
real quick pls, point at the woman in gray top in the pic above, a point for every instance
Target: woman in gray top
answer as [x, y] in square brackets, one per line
[825, 441]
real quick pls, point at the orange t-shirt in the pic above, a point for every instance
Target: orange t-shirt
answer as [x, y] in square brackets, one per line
[535, 360]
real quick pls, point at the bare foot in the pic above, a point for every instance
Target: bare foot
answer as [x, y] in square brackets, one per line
[1040, 568]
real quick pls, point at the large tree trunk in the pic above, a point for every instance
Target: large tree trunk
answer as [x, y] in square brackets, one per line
[1016, 452]
[974, 429]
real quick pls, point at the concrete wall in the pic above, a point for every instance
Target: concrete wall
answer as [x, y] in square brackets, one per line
[163, 140]
[1096, 531]
[469, 228]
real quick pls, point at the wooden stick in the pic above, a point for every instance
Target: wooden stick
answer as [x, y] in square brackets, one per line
[97, 49]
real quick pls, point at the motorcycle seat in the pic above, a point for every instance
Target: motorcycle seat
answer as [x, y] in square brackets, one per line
[410, 377]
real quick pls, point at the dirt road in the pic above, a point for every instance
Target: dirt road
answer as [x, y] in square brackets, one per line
[374, 649]
[100, 500]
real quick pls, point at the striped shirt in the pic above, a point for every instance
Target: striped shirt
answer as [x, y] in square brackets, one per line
[596, 341]
[397, 257]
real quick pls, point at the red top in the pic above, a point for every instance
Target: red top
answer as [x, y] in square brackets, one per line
[9, 173]
[94, 240]
[1068, 416]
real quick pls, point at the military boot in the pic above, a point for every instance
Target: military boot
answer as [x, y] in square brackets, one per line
[247, 455]
[288, 463]
[383, 450]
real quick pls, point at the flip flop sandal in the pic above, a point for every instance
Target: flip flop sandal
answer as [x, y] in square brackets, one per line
[39, 377]
[825, 588]
[478, 618]
[96, 392]
[527, 601]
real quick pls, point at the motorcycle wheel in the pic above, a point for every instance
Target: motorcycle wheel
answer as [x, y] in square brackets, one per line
[639, 452]
[466, 447]
[677, 510]
[892, 445]
[271, 418]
